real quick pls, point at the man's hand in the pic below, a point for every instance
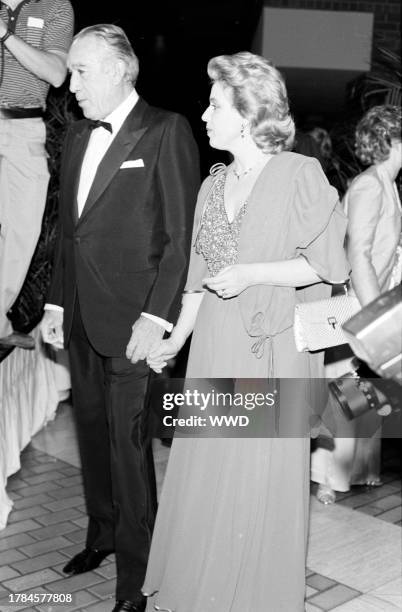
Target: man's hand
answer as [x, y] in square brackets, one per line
[146, 335]
[51, 328]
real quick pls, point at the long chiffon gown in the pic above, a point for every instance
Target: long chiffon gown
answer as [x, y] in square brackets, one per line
[231, 529]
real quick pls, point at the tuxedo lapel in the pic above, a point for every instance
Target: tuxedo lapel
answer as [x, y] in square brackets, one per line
[128, 136]
[75, 158]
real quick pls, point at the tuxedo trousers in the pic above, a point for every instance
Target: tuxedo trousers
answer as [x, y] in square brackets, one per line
[109, 400]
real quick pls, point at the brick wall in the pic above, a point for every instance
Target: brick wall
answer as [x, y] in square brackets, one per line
[387, 18]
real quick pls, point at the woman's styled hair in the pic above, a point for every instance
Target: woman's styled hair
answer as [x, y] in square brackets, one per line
[375, 133]
[119, 44]
[259, 95]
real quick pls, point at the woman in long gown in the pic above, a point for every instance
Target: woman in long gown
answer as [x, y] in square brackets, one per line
[231, 530]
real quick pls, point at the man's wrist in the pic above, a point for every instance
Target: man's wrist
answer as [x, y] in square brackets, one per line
[53, 307]
[162, 322]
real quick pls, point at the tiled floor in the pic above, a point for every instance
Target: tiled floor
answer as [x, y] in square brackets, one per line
[354, 556]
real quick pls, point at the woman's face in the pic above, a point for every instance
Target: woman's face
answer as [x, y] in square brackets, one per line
[223, 121]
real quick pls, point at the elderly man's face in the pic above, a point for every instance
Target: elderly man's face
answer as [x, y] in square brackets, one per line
[91, 65]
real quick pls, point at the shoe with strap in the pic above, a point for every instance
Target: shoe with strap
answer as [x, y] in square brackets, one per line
[326, 495]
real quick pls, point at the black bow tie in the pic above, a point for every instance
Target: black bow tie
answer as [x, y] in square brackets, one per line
[95, 124]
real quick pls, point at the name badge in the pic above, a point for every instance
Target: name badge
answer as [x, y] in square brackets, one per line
[35, 22]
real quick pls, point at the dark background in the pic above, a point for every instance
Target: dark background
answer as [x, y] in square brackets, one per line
[174, 41]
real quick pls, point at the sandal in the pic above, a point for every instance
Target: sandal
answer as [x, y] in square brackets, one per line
[326, 495]
[375, 482]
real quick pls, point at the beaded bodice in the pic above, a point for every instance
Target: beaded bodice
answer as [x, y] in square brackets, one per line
[217, 239]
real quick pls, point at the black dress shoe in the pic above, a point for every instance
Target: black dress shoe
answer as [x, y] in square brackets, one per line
[124, 605]
[85, 561]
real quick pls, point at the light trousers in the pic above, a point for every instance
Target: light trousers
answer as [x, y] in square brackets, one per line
[24, 179]
[356, 456]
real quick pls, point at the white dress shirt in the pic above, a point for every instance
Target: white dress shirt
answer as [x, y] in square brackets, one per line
[98, 143]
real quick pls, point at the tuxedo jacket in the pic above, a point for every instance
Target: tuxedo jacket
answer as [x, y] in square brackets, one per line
[128, 251]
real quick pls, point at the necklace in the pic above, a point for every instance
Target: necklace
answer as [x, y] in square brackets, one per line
[258, 164]
[238, 175]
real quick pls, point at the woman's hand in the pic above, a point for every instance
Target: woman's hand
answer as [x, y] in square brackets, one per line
[230, 281]
[159, 356]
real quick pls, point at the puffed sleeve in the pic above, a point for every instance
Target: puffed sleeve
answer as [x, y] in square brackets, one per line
[198, 267]
[319, 223]
[364, 209]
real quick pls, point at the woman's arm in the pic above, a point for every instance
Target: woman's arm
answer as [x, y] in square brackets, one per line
[233, 280]
[169, 348]
[185, 324]
[364, 214]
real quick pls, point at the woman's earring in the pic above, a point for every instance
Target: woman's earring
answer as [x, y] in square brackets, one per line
[243, 131]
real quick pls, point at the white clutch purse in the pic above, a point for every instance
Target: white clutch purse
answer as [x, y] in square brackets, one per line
[318, 325]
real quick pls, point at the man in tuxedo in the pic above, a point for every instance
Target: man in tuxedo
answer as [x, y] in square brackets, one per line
[129, 179]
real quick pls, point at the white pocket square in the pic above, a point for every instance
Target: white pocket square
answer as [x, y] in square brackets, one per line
[132, 163]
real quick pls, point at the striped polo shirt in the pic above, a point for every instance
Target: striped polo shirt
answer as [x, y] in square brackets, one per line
[46, 25]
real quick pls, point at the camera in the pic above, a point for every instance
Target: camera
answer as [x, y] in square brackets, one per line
[374, 334]
[360, 390]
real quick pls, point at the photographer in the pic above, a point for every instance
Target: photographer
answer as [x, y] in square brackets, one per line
[34, 39]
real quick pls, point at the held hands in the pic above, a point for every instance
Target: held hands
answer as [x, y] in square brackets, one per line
[146, 336]
[159, 356]
[230, 281]
[51, 328]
